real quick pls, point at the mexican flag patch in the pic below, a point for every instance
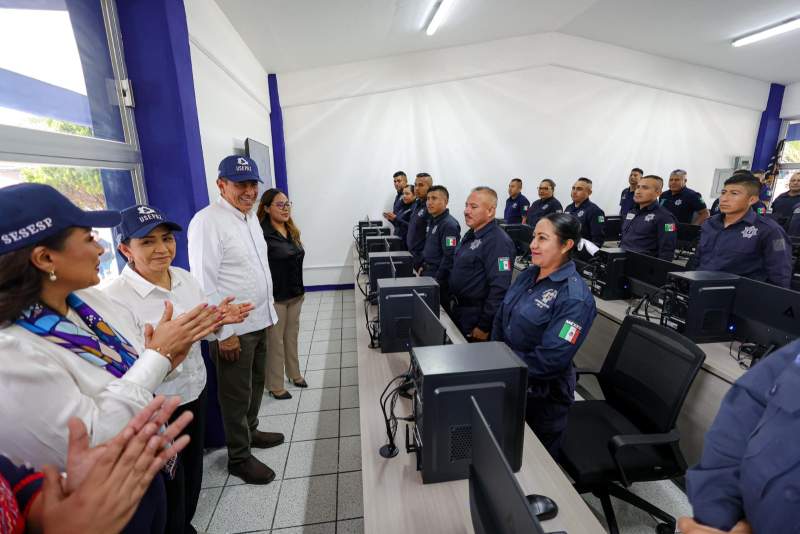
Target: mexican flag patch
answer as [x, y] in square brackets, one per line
[600, 219]
[503, 264]
[570, 332]
[669, 227]
[449, 241]
[761, 211]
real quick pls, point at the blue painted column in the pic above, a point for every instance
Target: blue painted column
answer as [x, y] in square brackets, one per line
[769, 129]
[156, 42]
[276, 126]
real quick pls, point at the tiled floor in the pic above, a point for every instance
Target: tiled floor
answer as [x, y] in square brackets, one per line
[318, 470]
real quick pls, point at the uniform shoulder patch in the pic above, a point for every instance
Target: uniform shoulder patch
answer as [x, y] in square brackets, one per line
[669, 227]
[570, 331]
[503, 264]
[450, 241]
[600, 218]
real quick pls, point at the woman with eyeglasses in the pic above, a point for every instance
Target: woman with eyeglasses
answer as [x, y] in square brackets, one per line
[66, 349]
[285, 253]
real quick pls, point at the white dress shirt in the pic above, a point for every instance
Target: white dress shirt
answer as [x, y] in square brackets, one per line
[42, 385]
[228, 257]
[145, 300]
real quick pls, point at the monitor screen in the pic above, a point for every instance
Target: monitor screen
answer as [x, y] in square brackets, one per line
[521, 235]
[426, 328]
[496, 500]
[765, 314]
[612, 227]
[646, 273]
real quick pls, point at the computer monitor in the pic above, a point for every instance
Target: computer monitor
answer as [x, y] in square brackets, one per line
[496, 500]
[688, 236]
[765, 314]
[646, 274]
[612, 228]
[426, 328]
[521, 235]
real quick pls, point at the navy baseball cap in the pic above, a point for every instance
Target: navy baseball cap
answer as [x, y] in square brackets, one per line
[238, 169]
[34, 212]
[139, 220]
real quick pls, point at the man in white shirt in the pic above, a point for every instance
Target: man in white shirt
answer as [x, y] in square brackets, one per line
[228, 257]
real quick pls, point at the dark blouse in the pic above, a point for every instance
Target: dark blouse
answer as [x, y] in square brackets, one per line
[285, 263]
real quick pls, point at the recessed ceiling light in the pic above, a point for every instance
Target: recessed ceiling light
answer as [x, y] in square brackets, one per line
[772, 31]
[440, 13]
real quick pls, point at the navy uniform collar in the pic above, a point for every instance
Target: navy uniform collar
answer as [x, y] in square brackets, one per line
[683, 190]
[485, 230]
[718, 220]
[441, 216]
[585, 204]
[559, 275]
[652, 207]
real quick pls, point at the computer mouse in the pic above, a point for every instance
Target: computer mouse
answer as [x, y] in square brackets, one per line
[544, 507]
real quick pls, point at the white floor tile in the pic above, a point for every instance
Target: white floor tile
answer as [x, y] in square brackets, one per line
[306, 500]
[310, 458]
[246, 507]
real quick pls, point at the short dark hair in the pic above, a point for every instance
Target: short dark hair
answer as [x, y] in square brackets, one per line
[423, 175]
[637, 169]
[585, 180]
[517, 180]
[750, 182]
[411, 186]
[399, 173]
[658, 179]
[551, 182]
[441, 188]
[741, 171]
[567, 227]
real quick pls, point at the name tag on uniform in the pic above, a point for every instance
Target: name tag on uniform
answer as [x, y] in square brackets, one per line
[630, 216]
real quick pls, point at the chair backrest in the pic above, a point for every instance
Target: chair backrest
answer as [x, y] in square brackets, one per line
[647, 373]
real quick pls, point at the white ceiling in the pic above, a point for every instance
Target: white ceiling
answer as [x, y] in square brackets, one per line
[289, 35]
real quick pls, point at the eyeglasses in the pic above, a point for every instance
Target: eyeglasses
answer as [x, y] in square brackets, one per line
[283, 205]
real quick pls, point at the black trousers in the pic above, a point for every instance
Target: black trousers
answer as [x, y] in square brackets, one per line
[548, 420]
[183, 491]
[151, 514]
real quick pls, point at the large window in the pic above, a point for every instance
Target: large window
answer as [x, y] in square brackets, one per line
[65, 107]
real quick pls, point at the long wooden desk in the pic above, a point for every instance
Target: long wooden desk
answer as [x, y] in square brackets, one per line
[396, 500]
[713, 381]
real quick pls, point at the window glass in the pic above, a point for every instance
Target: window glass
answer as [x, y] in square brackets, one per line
[56, 71]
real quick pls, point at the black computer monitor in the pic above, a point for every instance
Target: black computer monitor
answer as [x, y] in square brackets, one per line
[426, 328]
[688, 236]
[765, 314]
[496, 500]
[521, 235]
[646, 274]
[612, 227]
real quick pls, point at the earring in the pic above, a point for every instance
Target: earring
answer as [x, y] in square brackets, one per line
[53, 276]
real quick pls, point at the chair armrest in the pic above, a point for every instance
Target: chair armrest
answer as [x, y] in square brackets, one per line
[584, 371]
[622, 441]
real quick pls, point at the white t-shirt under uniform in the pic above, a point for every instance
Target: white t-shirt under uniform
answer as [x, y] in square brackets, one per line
[146, 301]
[228, 257]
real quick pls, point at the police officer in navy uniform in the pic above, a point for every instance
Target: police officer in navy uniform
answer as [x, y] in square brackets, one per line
[626, 202]
[748, 477]
[418, 220]
[794, 223]
[403, 216]
[400, 181]
[516, 204]
[546, 203]
[544, 318]
[482, 267]
[784, 204]
[441, 240]
[740, 242]
[687, 205]
[589, 214]
[649, 228]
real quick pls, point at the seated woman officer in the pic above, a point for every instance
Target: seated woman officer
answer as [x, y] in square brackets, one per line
[544, 318]
[148, 243]
[748, 478]
[66, 350]
[404, 215]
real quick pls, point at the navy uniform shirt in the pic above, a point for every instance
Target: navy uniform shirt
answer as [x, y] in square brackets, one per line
[783, 206]
[626, 202]
[545, 323]
[401, 221]
[759, 207]
[750, 466]
[755, 247]
[481, 274]
[683, 205]
[592, 221]
[417, 224]
[765, 192]
[398, 203]
[651, 231]
[441, 240]
[542, 207]
[794, 223]
[516, 208]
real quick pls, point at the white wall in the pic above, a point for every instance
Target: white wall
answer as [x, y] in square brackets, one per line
[230, 88]
[791, 102]
[548, 105]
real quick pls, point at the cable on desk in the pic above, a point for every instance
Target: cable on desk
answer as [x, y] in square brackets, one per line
[373, 327]
[390, 450]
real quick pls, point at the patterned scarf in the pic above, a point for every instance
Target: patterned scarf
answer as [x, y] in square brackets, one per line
[107, 348]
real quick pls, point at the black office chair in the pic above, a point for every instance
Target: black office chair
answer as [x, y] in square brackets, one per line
[631, 436]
